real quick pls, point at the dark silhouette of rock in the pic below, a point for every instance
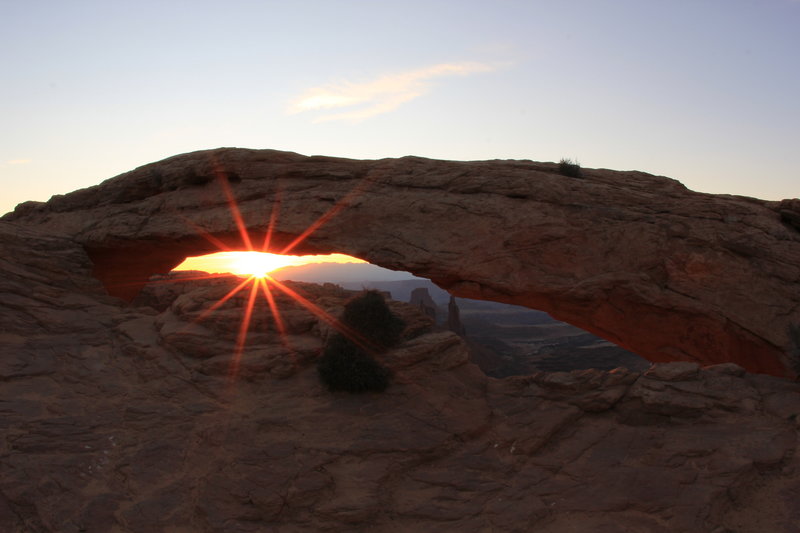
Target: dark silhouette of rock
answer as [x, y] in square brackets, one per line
[790, 212]
[421, 298]
[665, 272]
[454, 318]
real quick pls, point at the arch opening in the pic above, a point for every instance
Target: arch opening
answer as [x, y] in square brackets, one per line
[503, 339]
[258, 264]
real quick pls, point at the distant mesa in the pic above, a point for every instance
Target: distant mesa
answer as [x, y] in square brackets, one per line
[637, 259]
[339, 273]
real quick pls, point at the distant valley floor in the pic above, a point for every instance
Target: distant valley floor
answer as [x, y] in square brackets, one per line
[509, 340]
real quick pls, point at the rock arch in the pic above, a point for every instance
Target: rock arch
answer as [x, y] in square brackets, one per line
[638, 259]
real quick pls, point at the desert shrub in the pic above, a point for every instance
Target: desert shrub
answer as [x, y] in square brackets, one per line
[346, 367]
[370, 316]
[568, 167]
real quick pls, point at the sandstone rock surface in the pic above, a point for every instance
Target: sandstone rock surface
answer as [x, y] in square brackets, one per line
[122, 418]
[640, 260]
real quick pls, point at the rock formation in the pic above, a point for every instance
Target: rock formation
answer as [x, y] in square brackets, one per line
[454, 318]
[124, 418]
[640, 260]
[421, 298]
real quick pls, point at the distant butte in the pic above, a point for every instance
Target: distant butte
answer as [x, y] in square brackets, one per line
[663, 271]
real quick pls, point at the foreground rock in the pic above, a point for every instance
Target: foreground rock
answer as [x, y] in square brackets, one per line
[125, 418]
[665, 272]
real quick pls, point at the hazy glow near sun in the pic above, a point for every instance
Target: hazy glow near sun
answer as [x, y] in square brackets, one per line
[256, 263]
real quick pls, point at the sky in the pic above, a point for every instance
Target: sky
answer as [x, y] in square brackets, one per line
[702, 91]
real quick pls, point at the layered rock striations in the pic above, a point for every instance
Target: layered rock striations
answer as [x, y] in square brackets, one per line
[640, 260]
[125, 418]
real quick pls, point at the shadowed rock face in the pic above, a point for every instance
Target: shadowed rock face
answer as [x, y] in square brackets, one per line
[118, 417]
[640, 260]
[123, 418]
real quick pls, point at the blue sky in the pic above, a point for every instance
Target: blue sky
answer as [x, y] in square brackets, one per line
[701, 91]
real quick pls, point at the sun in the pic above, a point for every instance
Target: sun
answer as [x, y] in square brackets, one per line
[257, 264]
[248, 264]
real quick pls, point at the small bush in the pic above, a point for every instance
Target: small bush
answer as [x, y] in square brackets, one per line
[345, 367]
[369, 315]
[568, 167]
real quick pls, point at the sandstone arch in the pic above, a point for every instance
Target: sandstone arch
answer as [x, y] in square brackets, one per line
[638, 259]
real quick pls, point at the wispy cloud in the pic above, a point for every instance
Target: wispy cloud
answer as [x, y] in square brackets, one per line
[380, 95]
[18, 161]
